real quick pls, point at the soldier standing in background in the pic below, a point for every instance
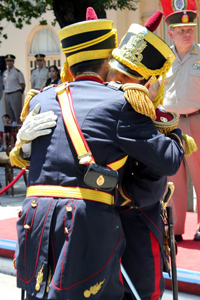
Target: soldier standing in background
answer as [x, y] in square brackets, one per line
[14, 85]
[182, 89]
[39, 75]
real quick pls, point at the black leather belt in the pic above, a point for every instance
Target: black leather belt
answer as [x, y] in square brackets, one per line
[191, 114]
[13, 92]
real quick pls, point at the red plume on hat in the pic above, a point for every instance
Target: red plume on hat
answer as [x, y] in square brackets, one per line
[153, 22]
[91, 14]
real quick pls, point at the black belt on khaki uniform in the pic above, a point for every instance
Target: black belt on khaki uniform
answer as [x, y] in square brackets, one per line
[13, 92]
[191, 114]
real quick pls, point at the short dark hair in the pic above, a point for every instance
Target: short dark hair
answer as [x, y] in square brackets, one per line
[6, 116]
[89, 65]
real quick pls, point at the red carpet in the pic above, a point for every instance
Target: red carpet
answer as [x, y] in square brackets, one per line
[188, 250]
[8, 229]
[188, 256]
[187, 259]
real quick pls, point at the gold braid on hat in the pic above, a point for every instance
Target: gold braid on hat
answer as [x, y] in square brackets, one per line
[90, 43]
[65, 73]
[145, 72]
[137, 96]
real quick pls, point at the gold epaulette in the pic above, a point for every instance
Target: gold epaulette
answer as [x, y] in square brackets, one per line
[137, 96]
[25, 109]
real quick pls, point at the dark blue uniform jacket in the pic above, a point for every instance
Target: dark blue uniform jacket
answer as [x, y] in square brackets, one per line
[61, 253]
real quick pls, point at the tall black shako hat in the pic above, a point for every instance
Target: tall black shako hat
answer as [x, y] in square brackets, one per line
[179, 12]
[142, 51]
[88, 40]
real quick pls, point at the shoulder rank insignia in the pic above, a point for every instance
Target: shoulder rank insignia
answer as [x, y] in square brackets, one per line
[196, 65]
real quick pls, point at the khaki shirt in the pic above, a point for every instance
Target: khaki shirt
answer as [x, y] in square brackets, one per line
[12, 80]
[182, 83]
[1, 86]
[39, 78]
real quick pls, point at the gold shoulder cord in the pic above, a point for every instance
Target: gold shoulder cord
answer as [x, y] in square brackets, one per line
[25, 109]
[15, 157]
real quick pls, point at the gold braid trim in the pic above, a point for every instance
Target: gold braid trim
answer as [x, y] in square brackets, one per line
[158, 99]
[15, 157]
[190, 145]
[48, 280]
[25, 109]
[169, 126]
[146, 73]
[137, 96]
[65, 73]
[165, 244]
[17, 160]
[166, 128]
[123, 196]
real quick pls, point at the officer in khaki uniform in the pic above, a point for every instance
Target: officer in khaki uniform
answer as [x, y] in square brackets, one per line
[39, 75]
[14, 85]
[182, 90]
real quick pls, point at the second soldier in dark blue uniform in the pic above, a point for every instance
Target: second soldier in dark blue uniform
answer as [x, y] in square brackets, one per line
[139, 59]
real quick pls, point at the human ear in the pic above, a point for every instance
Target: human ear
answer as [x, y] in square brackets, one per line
[170, 34]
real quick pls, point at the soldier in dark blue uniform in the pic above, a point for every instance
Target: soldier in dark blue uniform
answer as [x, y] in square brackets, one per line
[143, 187]
[70, 238]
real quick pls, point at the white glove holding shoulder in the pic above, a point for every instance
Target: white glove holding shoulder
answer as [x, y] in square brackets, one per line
[37, 124]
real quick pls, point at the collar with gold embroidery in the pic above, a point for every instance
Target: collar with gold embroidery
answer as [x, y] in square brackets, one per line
[90, 76]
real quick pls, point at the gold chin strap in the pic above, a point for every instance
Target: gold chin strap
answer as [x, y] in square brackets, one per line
[158, 99]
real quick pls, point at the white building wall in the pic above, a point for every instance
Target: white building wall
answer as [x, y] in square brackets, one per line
[16, 43]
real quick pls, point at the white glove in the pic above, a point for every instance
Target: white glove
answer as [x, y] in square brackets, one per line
[37, 124]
